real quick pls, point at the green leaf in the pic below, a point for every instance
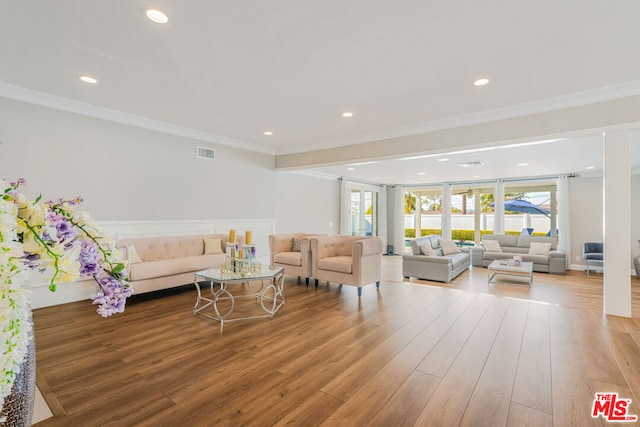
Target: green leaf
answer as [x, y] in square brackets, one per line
[118, 268]
[38, 198]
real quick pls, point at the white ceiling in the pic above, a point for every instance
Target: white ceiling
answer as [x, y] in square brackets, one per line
[233, 69]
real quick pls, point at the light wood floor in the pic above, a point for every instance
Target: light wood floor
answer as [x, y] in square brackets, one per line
[417, 353]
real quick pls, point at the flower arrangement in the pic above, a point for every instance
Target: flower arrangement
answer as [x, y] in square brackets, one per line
[63, 243]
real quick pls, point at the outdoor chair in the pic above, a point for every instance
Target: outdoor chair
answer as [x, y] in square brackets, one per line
[593, 254]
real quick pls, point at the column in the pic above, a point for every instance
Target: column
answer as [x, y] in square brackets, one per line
[446, 211]
[617, 223]
[476, 217]
[498, 206]
[554, 214]
[418, 219]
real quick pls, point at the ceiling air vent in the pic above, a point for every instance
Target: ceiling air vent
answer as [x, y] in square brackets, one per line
[206, 153]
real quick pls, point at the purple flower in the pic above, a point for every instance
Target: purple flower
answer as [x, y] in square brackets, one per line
[66, 230]
[112, 296]
[32, 261]
[89, 259]
[21, 181]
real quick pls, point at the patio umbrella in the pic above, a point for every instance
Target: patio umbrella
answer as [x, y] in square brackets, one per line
[519, 205]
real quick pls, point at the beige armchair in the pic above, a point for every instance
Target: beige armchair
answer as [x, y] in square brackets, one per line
[348, 260]
[282, 254]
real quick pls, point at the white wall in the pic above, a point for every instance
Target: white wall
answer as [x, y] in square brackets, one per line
[635, 216]
[585, 196]
[586, 215]
[138, 182]
[306, 204]
[129, 173]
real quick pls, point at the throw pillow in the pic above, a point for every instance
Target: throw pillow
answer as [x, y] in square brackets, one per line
[492, 245]
[297, 245]
[212, 246]
[537, 248]
[133, 255]
[448, 247]
[426, 249]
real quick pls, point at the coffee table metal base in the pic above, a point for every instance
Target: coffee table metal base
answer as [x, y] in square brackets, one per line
[524, 270]
[271, 297]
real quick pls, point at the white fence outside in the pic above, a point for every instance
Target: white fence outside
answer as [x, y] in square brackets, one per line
[539, 223]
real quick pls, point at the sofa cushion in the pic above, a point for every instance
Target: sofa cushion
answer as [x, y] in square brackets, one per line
[153, 269]
[212, 246]
[503, 239]
[448, 247]
[288, 258]
[525, 241]
[537, 248]
[434, 239]
[492, 245]
[133, 255]
[459, 259]
[341, 264]
[296, 245]
[429, 240]
[426, 249]
[536, 259]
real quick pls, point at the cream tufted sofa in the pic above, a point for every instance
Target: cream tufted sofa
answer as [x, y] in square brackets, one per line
[170, 261]
[348, 260]
[282, 254]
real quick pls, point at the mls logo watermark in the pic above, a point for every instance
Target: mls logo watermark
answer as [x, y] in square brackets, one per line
[612, 408]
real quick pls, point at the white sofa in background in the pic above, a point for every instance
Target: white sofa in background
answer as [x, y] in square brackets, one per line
[168, 262]
[554, 261]
[438, 267]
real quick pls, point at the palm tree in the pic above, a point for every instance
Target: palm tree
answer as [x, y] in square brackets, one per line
[409, 203]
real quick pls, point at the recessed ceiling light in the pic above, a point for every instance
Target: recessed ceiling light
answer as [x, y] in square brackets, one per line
[443, 160]
[471, 164]
[481, 82]
[88, 79]
[268, 133]
[351, 169]
[590, 167]
[422, 173]
[156, 15]
[476, 176]
[523, 164]
[347, 114]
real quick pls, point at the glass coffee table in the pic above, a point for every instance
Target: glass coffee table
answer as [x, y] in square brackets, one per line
[525, 269]
[266, 286]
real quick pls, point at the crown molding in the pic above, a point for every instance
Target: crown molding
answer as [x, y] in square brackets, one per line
[606, 93]
[64, 104]
[550, 104]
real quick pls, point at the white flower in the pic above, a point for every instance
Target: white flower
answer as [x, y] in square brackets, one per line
[27, 227]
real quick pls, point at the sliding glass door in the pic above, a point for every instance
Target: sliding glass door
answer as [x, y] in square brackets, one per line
[364, 212]
[361, 212]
